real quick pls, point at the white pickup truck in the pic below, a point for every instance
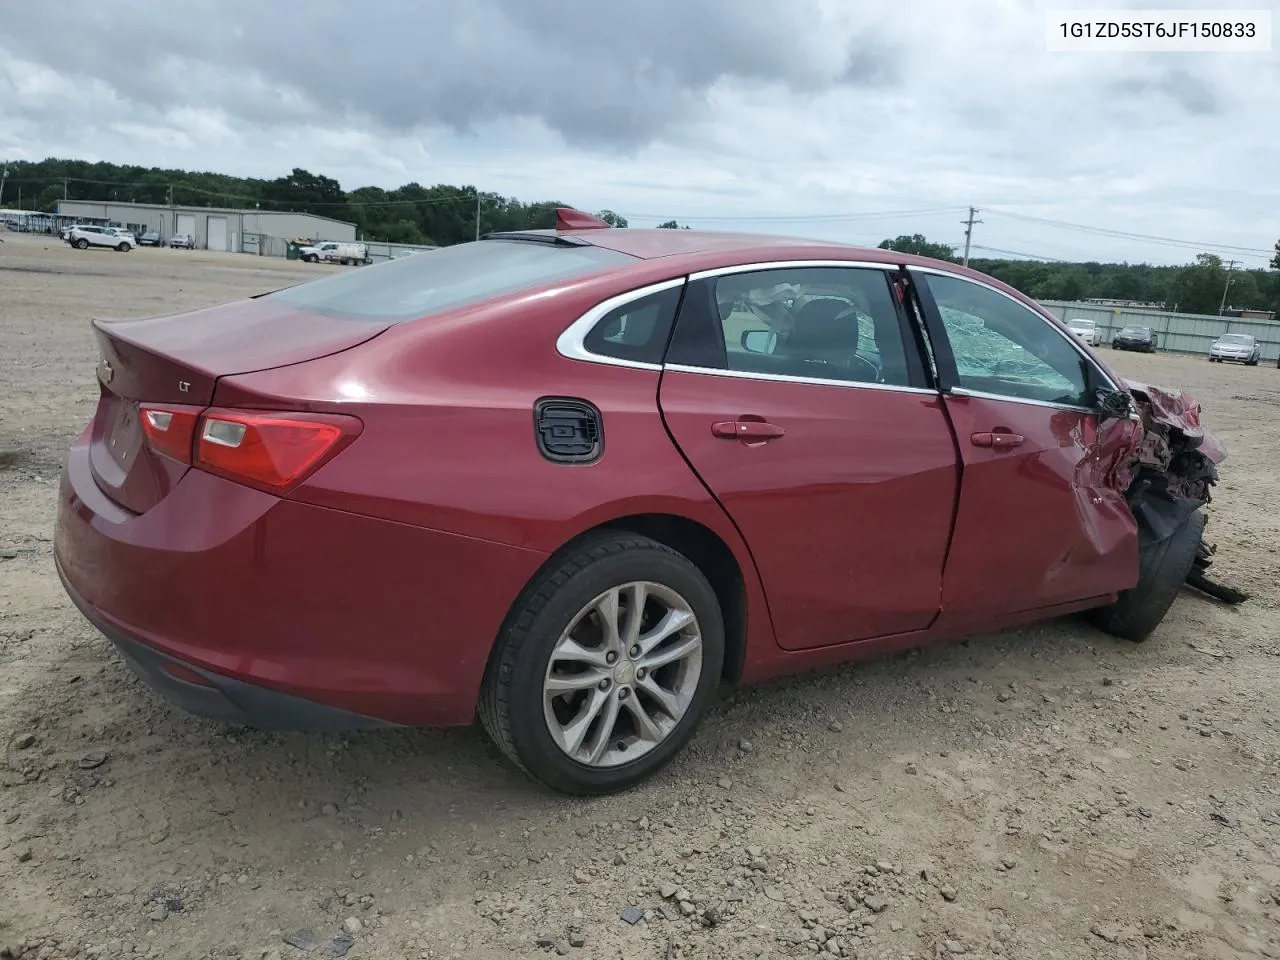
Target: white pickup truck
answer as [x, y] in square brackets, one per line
[333, 252]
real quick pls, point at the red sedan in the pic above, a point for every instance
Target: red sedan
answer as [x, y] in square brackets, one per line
[571, 480]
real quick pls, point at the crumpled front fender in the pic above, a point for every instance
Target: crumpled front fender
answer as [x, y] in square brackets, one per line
[1180, 411]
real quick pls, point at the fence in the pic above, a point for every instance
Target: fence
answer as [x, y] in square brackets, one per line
[1178, 332]
[393, 251]
[261, 245]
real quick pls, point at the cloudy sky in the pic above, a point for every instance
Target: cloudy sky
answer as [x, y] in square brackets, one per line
[843, 119]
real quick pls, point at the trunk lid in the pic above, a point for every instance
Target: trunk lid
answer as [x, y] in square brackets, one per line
[177, 360]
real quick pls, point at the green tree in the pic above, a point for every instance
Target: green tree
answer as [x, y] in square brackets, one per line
[917, 244]
[1244, 291]
[1275, 261]
[612, 219]
[305, 192]
[1198, 287]
[671, 225]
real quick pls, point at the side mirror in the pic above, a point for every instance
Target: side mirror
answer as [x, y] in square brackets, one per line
[759, 341]
[1114, 405]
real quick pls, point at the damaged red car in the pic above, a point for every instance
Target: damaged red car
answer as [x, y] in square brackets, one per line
[569, 481]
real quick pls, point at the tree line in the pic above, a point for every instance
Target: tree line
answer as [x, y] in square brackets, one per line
[1197, 287]
[446, 214]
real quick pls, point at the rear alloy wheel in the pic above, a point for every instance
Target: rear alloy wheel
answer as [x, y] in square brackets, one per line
[605, 667]
[82, 244]
[1162, 570]
[122, 247]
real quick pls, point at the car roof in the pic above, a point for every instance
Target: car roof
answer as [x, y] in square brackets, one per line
[672, 252]
[652, 244]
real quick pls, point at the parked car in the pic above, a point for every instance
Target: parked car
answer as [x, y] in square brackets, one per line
[694, 459]
[334, 252]
[1135, 338]
[1237, 347]
[84, 235]
[1086, 330]
[182, 241]
[149, 239]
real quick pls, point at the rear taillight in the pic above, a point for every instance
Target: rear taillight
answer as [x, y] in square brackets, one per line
[273, 451]
[170, 430]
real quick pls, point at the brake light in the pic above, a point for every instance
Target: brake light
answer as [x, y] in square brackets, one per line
[170, 430]
[274, 451]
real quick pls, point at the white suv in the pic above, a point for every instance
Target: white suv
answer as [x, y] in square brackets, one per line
[84, 235]
[1085, 330]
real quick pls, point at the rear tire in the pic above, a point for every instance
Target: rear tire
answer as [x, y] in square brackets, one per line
[82, 244]
[122, 247]
[519, 707]
[1162, 570]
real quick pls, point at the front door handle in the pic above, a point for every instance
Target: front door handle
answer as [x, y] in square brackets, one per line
[748, 431]
[998, 439]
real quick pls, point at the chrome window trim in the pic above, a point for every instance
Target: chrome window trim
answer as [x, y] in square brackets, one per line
[983, 395]
[572, 341]
[792, 264]
[1074, 343]
[784, 378]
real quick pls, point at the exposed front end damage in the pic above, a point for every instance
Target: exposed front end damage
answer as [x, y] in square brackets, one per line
[1173, 469]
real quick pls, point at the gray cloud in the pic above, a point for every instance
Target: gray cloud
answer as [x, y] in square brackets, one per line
[1196, 95]
[617, 74]
[747, 115]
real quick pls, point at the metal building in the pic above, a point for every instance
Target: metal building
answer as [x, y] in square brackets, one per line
[214, 228]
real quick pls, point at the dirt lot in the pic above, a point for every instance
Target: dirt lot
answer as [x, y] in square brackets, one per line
[1043, 793]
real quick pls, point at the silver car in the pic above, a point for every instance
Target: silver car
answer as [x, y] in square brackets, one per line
[1237, 347]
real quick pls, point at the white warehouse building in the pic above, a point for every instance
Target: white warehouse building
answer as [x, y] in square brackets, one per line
[214, 228]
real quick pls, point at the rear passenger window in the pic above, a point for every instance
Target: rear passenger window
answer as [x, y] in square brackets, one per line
[826, 323]
[636, 331]
[434, 281]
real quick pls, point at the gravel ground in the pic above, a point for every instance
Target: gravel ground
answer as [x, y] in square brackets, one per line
[1040, 793]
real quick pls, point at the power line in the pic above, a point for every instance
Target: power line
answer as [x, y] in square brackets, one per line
[1127, 235]
[1020, 253]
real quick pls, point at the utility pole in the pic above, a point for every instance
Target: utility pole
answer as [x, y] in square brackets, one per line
[4, 175]
[64, 188]
[968, 232]
[477, 213]
[1223, 306]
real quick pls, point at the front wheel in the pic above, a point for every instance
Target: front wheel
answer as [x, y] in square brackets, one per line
[605, 666]
[82, 244]
[122, 247]
[1162, 570]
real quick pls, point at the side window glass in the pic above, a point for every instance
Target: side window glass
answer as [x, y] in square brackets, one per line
[1003, 348]
[636, 331]
[829, 323]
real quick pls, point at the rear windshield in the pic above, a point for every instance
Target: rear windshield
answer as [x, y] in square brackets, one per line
[437, 280]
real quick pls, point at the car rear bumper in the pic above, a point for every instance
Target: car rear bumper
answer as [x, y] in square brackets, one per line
[215, 696]
[296, 616]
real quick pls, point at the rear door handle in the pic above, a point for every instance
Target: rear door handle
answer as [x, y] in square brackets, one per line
[999, 439]
[748, 431]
